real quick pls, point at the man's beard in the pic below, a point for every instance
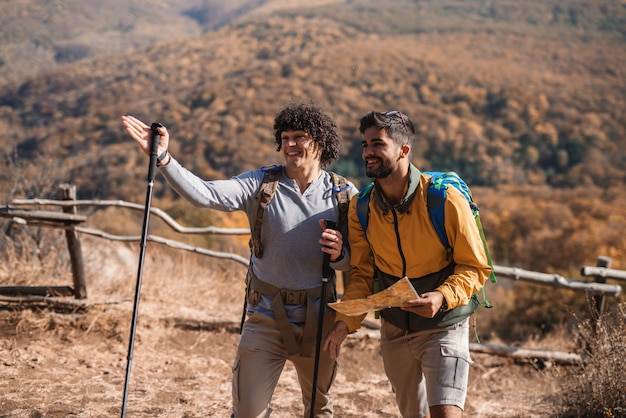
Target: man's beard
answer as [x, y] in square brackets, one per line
[383, 170]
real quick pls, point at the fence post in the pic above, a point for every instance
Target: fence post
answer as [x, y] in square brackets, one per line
[600, 300]
[68, 192]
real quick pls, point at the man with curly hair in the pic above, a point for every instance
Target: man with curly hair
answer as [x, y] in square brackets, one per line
[284, 278]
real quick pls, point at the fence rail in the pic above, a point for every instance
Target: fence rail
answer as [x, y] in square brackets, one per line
[603, 272]
[558, 281]
[129, 205]
[597, 288]
[69, 221]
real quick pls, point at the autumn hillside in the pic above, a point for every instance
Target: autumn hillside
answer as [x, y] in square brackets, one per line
[525, 99]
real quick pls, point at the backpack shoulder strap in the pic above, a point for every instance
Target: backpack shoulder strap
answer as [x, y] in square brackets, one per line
[263, 198]
[362, 205]
[435, 202]
[341, 189]
[362, 210]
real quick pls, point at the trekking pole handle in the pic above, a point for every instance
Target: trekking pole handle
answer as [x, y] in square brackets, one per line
[155, 138]
[326, 270]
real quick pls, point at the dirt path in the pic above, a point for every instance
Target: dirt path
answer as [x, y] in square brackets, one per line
[73, 364]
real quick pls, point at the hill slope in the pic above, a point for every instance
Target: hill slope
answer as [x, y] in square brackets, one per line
[37, 37]
[490, 98]
[504, 93]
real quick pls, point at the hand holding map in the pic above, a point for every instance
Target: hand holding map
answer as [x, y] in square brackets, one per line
[393, 296]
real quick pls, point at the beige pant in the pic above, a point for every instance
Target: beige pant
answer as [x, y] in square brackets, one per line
[426, 368]
[261, 357]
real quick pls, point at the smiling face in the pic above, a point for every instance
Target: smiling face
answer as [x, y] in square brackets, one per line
[382, 156]
[299, 149]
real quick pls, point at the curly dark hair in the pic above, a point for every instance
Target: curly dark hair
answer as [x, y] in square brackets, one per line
[311, 118]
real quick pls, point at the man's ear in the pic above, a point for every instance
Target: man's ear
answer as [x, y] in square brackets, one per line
[405, 150]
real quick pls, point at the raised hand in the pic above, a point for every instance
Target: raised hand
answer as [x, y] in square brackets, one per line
[140, 132]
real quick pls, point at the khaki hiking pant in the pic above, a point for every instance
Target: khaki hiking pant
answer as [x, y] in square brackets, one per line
[260, 359]
[426, 368]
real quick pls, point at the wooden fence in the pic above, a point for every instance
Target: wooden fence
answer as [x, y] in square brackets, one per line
[69, 221]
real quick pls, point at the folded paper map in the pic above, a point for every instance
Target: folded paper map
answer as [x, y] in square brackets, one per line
[393, 296]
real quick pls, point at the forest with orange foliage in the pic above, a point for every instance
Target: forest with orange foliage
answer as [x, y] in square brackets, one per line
[525, 101]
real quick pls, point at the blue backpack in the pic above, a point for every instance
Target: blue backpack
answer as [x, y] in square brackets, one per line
[436, 197]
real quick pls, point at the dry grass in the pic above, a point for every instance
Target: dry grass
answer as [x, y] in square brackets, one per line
[59, 363]
[597, 390]
[25, 254]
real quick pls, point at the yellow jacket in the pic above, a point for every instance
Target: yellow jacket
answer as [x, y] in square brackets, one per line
[412, 234]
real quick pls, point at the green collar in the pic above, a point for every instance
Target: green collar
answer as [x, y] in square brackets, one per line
[403, 206]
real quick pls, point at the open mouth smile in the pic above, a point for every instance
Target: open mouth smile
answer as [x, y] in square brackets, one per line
[370, 162]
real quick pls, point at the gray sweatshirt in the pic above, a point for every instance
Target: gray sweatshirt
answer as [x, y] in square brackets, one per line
[292, 257]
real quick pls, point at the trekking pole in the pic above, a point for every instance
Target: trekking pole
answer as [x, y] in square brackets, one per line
[327, 273]
[154, 145]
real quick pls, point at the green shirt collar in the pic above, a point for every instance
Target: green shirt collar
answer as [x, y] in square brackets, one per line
[403, 206]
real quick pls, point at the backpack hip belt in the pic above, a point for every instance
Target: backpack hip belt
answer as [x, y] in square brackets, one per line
[257, 287]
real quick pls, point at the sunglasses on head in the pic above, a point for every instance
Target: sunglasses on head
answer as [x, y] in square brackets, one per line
[397, 113]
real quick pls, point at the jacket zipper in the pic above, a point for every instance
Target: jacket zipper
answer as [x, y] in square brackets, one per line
[395, 225]
[397, 230]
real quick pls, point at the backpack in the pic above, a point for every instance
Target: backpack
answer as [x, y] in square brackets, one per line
[435, 199]
[263, 198]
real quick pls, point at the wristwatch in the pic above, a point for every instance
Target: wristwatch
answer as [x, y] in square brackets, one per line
[444, 305]
[161, 157]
